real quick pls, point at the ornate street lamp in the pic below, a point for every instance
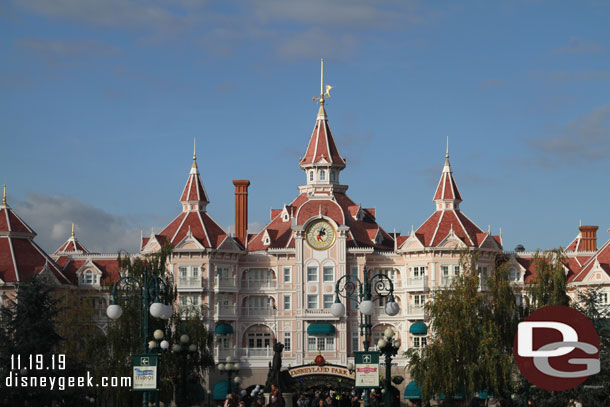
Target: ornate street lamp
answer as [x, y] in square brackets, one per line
[183, 348]
[229, 368]
[365, 294]
[153, 295]
[388, 347]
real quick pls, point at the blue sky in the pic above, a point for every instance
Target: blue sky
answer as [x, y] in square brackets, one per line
[100, 102]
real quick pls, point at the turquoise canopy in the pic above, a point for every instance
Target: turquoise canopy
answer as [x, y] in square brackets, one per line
[320, 329]
[418, 328]
[221, 389]
[412, 391]
[223, 329]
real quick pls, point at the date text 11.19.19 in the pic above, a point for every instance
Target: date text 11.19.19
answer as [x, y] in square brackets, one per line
[37, 362]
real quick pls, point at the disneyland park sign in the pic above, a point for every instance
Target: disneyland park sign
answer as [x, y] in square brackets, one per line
[333, 370]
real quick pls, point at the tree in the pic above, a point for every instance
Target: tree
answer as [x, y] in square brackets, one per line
[549, 287]
[472, 332]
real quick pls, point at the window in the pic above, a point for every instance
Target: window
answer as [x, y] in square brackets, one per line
[287, 342]
[312, 273]
[320, 343]
[287, 302]
[419, 271]
[311, 175]
[328, 273]
[183, 272]
[322, 175]
[419, 341]
[355, 341]
[456, 270]
[195, 272]
[419, 300]
[88, 277]
[328, 300]
[287, 274]
[445, 271]
[223, 272]
[312, 301]
[512, 274]
[353, 273]
[603, 298]
[259, 340]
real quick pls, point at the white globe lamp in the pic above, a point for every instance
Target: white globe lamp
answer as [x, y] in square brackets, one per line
[367, 307]
[114, 311]
[156, 309]
[392, 308]
[164, 345]
[337, 309]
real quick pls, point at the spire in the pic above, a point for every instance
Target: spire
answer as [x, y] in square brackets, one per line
[194, 196]
[4, 195]
[194, 153]
[72, 230]
[72, 245]
[322, 161]
[447, 195]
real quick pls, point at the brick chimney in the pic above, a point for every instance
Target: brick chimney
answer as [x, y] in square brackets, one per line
[241, 209]
[588, 236]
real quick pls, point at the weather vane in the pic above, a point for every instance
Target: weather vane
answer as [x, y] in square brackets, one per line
[324, 92]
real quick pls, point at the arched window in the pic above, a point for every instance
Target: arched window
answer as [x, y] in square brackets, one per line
[311, 175]
[322, 175]
[512, 274]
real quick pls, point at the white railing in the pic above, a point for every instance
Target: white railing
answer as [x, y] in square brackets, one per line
[256, 352]
[318, 312]
[445, 282]
[255, 284]
[417, 283]
[415, 310]
[257, 311]
[224, 310]
[189, 282]
[221, 283]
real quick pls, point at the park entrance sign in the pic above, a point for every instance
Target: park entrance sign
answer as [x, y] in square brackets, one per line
[144, 372]
[367, 369]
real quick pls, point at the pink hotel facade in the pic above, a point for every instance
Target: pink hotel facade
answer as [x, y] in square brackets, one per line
[279, 283]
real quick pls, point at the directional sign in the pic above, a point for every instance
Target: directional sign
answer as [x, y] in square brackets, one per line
[367, 369]
[144, 372]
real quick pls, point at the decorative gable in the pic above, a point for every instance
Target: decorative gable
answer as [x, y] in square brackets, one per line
[266, 238]
[451, 241]
[189, 242]
[89, 275]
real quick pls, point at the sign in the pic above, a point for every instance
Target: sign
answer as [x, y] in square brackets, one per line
[326, 370]
[561, 335]
[144, 372]
[367, 369]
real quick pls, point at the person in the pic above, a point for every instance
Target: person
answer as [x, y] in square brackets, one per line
[275, 397]
[316, 399]
[303, 401]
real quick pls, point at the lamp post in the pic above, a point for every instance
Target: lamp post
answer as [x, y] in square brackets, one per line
[229, 368]
[388, 347]
[153, 295]
[364, 294]
[183, 348]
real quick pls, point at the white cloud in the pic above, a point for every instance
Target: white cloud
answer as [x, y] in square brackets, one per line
[584, 140]
[98, 230]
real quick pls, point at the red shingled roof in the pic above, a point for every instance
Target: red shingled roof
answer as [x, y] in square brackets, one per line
[71, 245]
[193, 190]
[436, 228]
[201, 225]
[602, 256]
[322, 144]
[447, 188]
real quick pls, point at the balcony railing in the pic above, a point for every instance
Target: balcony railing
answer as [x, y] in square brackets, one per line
[224, 310]
[321, 312]
[256, 284]
[189, 282]
[223, 283]
[445, 282]
[415, 311]
[256, 352]
[258, 311]
[417, 283]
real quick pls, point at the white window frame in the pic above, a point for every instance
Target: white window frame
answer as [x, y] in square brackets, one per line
[310, 300]
[331, 276]
[287, 301]
[287, 272]
[317, 272]
[325, 302]
[287, 341]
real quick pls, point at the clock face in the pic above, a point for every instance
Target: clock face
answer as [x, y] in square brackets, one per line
[321, 235]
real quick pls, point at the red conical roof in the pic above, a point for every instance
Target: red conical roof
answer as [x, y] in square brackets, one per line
[447, 188]
[322, 146]
[71, 245]
[193, 190]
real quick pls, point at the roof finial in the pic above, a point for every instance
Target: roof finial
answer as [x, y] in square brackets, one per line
[4, 195]
[72, 230]
[194, 152]
[321, 81]
[447, 153]
[579, 224]
[324, 92]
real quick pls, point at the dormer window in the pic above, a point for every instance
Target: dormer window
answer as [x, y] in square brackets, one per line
[88, 277]
[513, 275]
[311, 175]
[322, 175]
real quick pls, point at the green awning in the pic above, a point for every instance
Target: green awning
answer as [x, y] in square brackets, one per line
[418, 328]
[223, 329]
[221, 389]
[320, 329]
[412, 391]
